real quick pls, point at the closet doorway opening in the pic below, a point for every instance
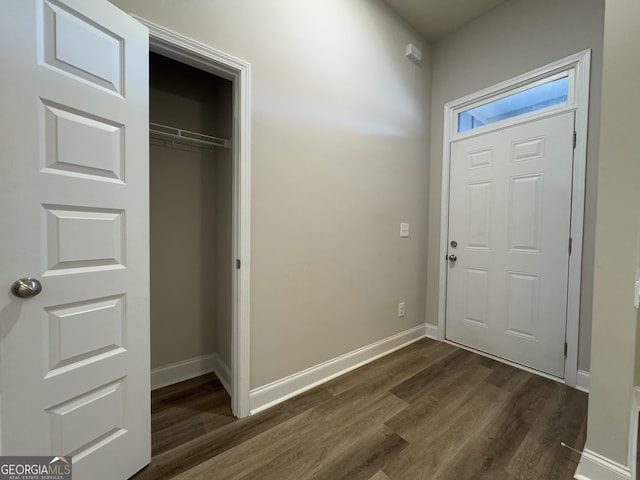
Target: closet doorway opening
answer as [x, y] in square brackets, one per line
[190, 179]
[199, 158]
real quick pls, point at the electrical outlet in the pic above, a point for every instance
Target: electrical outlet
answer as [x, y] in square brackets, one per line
[401, 309]
[404, 230]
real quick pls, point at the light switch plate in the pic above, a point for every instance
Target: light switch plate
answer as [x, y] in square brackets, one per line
[636, 300]
[404, 229]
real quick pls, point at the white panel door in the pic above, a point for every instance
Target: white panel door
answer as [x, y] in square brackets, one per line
[74, 360]
[509, 213]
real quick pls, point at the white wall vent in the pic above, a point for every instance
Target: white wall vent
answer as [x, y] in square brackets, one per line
[413, 53]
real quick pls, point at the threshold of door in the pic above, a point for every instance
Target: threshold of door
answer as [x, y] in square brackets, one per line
[505, 361]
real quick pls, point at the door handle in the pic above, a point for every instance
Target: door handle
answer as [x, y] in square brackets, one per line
[26, 287]
[452, 258]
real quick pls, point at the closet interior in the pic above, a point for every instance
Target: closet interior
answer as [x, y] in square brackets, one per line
[191, 123]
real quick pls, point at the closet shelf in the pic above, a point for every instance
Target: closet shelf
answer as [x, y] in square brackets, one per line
[185, 137]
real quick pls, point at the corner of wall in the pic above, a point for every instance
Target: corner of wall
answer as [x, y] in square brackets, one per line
[595, 467]
[191, 368]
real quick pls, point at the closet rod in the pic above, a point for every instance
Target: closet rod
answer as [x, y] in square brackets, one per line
[179, 135]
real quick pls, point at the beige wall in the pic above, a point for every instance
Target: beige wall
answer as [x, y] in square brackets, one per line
[339, 159]
[514, 38]
[190, 218]
[637, 368]
[618, 232]
[222, 250]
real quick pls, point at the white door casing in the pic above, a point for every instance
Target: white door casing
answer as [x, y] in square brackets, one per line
[74, 360]
[510, 214]
[186, 50]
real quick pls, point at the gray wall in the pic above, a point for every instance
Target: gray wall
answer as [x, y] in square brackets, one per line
[190, 218]
[611, 406]
[637, 368]
[339, 158]
[516, 37]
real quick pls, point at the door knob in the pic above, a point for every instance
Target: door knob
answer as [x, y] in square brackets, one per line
[26, 287]
[453, 258]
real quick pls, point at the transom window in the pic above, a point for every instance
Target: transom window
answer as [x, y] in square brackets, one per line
[553, 92]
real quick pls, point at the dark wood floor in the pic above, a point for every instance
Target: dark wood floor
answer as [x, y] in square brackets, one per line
[429, 411]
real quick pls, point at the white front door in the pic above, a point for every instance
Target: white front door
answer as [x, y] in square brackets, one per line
[74, 360]
[510, 209]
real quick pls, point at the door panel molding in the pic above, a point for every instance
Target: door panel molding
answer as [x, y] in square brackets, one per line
[75, 358]
[578, 66]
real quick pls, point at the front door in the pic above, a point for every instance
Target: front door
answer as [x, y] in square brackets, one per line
[509, 233]
[74, 359]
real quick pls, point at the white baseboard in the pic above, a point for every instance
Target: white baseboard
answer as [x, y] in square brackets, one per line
[432, 331]
[595, 467]
[184, 370]
[582, 381]
[269, 395]
[223, 372]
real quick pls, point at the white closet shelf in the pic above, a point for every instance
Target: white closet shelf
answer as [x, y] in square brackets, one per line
[186, 137]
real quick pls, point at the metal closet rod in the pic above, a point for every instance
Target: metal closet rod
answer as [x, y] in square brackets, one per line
[179, 135]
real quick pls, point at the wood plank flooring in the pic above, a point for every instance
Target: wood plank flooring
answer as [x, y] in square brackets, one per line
[428, 411]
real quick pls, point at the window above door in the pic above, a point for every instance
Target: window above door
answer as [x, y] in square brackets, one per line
[552, 92]
[536, 97]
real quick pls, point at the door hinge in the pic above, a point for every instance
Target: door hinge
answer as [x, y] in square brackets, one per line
[566, 348]
[575, 139]
[238, 263]
[570, 244]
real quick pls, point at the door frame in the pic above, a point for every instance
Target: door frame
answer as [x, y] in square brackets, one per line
[185, 50]
[578, 66]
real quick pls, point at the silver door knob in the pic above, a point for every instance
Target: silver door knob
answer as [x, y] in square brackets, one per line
[26, 287]
[452, 258]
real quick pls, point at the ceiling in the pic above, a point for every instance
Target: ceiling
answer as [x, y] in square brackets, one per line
[436, 18]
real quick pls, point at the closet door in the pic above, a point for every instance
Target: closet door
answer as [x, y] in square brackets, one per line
[74, 357]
